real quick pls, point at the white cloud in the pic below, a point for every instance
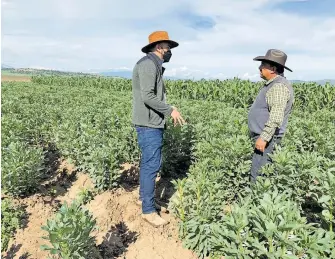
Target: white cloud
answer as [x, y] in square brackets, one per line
[250, 77]
[185, 72]
[220, 76]
[82, 35]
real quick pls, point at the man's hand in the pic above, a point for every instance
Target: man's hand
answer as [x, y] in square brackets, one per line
[177, 117]
[260, 144]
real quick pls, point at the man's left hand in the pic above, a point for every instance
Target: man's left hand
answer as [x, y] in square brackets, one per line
[260, 144]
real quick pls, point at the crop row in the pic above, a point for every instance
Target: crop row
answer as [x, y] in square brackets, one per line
[84, 125]
[235, 92]
[219, 212]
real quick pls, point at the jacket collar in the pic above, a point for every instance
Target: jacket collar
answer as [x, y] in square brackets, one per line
[157, 60]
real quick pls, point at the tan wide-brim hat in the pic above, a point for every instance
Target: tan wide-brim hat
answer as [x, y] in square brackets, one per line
[276, 56]
[156, 37]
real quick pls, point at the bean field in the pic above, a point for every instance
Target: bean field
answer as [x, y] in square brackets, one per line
[289, 213]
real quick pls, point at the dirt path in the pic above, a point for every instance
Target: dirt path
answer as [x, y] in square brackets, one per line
[17, 78]
[121, 234]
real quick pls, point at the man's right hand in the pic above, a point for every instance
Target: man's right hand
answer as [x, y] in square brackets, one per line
[177, 117]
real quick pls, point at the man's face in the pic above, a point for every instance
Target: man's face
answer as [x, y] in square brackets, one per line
[266, 70]
[163, 47]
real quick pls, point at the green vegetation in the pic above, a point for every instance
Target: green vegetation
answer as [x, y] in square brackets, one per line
[86, 125]
[70, 233]
[290, 214]
[10, 72]
[11, 220]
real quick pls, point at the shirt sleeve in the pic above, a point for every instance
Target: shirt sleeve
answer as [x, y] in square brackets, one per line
[276, 98]
[147, 75]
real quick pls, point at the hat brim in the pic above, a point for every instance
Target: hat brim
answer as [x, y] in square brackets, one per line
[147, 48]
[263, 58]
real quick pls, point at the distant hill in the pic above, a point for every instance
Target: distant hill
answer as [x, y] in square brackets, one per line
[34, 71]
[4, 66]
[122, 73]
[320, 82]
[324, 81]
[126, 74]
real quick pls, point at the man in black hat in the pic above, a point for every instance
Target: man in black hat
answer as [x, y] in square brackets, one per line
[150, 112]
[268, 115]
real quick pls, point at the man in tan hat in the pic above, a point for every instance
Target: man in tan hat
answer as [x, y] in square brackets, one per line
[150, 111]
[268, 115]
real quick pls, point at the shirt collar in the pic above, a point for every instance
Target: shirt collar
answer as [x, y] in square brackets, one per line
[271, 80]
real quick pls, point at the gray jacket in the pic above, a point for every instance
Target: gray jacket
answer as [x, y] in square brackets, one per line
[149, 96]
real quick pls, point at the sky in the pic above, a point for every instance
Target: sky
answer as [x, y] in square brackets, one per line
[217, 38]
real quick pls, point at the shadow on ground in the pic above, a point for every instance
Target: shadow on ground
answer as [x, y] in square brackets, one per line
[116, 241]
[13, 250]
[129, 179]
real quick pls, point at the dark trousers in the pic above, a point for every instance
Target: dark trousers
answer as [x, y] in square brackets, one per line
[150, 141]
[260, 159]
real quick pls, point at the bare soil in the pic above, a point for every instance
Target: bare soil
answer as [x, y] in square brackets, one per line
[17, 78]
[121, 231]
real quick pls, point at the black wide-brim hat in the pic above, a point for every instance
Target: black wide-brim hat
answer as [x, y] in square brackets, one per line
[275, 56]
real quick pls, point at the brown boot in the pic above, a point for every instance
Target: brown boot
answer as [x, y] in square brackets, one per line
[154, 219]
[157, 206]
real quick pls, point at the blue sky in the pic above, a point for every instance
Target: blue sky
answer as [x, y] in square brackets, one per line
[218, 38]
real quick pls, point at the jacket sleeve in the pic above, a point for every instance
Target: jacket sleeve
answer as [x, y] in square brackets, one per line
[147, 75]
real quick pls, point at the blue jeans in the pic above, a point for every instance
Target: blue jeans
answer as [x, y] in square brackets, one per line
[150, 141]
